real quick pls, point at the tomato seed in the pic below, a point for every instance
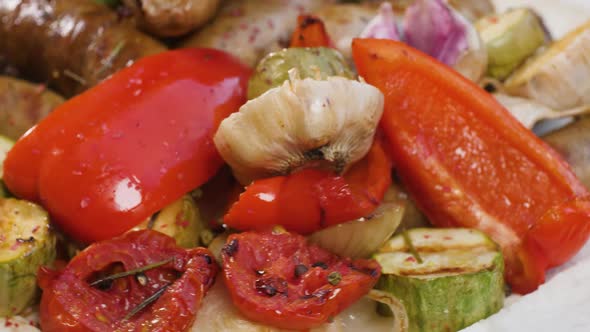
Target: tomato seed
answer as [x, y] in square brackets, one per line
[271, 286]
[334, 278]
[300, 270]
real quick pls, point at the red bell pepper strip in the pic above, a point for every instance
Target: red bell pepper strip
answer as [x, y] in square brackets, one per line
[469, 163]
[312, 199]
[310, 32]
[109, 158]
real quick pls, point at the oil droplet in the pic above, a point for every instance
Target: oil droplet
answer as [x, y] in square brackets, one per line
[85, 202]
[127, 195]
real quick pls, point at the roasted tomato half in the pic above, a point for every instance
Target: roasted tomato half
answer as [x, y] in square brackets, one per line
[140, 281]
[278, 279]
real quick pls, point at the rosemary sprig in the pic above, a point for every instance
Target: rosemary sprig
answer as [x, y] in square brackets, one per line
[149, 300]
[410, 245]
[108, 61]
[75, 77]
[131, 272]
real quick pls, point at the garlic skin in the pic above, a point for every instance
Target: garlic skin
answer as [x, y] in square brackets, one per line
[329, 123]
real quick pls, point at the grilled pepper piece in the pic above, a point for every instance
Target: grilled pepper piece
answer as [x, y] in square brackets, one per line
[469, 163]
[81, 161]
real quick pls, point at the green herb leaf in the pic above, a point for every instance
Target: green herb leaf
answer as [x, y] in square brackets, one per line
[131, 272]
[152, 298]
[410, 245]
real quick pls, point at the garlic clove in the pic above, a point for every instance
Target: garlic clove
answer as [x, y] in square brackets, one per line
[303, 123]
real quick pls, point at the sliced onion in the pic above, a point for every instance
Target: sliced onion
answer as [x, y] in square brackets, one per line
[529, 112]
[362, 237]
[216, 245]
[473, 62]
[401, 321]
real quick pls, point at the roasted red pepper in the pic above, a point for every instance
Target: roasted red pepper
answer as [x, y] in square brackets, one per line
[280, 280]
[310, 32]
[468, 162]
[312, 199]
[109, 158]
[162, 291]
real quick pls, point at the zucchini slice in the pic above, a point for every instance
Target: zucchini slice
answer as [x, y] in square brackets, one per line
[5, 145]
[180, 220]
[26, 243]
[510, 39]
[447, 279]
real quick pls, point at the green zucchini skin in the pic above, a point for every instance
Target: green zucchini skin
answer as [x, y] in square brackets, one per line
[448, 303]
[517, 41]
[313, 62]
[181, 220]
[22, 253]
[453, 284]
[5, 145]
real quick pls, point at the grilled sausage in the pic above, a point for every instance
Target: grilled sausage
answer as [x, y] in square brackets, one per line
[71, 44]
[22, 105]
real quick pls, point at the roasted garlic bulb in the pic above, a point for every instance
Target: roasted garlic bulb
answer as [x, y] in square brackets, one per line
[305, 122]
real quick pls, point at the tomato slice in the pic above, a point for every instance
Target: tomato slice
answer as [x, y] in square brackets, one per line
[177, 285]
[278, 279]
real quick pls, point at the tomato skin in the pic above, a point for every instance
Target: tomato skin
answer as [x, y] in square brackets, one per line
[312, 199]
[70, 304]
[109, 158]
[468, 162]
[261, 275]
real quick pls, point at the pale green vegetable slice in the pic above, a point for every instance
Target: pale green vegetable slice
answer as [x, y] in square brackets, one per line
[26, 243]
[314, 62]
[558, 77]
[362, 237]
[5, 145]
[447, 279]
[180, 220]
[510, 39]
